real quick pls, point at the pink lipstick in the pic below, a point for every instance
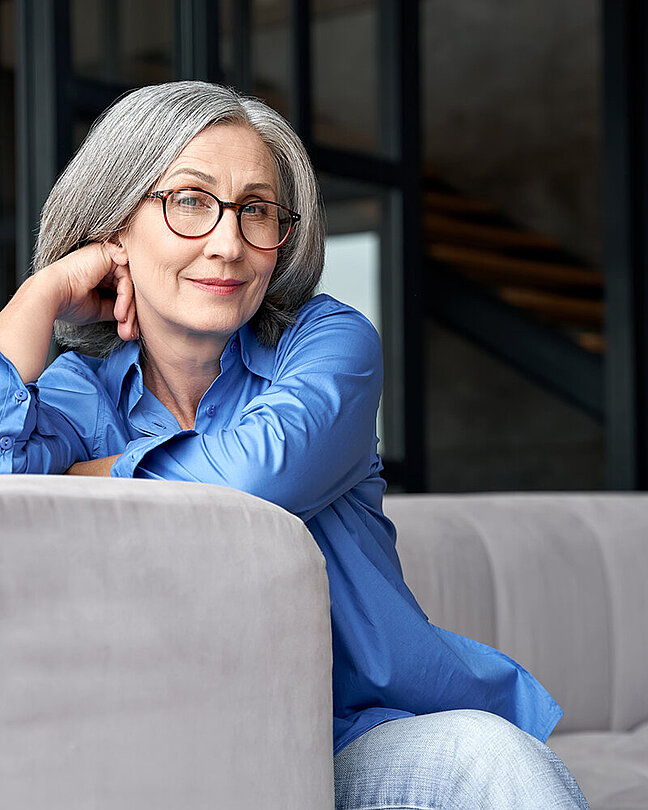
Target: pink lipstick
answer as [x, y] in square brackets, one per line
[217, 286]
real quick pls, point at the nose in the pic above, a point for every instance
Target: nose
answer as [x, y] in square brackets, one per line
[225, 241]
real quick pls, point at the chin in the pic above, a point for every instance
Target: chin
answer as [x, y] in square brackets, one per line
[221, 329]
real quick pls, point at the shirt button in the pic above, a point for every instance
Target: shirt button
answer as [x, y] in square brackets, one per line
[211, 410]
[233, 346]
[6, 443]
[20, 395]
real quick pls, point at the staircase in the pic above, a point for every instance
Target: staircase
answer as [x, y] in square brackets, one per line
[516, 292]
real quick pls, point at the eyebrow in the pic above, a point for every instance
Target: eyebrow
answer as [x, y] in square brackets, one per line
[210, 180]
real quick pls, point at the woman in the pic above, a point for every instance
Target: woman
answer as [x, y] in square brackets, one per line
[202, 355]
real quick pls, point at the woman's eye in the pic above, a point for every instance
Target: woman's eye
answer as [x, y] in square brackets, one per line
[191, 201]
[256, 209]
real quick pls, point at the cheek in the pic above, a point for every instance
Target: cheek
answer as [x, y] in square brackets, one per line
[266, 269]
[153, 265]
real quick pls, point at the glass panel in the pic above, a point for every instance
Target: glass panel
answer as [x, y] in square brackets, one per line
[351, 272]
[226, 41]
[271, 53]
[89, 34]
[491, 429]
[512, 144]
[352, 266]
[146, 39]
[130, 42]
[7, 152]
[345, 74]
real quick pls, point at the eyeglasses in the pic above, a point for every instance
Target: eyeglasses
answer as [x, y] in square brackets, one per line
[192, 213]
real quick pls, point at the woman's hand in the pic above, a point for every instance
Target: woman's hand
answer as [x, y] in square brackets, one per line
[85, 286]
[98, 467]
[81, 277]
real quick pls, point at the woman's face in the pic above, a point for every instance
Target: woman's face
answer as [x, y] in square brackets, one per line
[176, 279]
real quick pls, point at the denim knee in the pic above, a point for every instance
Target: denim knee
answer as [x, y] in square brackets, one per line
[457, 760]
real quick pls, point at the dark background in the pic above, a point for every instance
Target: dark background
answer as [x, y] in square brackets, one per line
[484, 160]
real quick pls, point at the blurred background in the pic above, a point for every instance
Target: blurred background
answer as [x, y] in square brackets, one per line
[484, 169]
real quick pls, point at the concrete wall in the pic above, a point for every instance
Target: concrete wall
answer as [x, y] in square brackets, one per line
[491, 429]
[512, 109]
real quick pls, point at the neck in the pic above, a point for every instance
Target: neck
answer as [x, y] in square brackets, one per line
[178, 374]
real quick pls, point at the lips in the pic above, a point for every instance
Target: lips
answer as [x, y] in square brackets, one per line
[218, 286]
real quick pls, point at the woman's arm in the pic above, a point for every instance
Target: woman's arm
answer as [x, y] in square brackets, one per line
[307, 439]
[46, 426]
[66, 289]
[99, 467]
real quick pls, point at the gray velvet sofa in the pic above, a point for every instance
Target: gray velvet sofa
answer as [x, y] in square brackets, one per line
[560, 583]
[162, 647]
[168, 645]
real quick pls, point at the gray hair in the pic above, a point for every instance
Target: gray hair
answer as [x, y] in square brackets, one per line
[129, 148]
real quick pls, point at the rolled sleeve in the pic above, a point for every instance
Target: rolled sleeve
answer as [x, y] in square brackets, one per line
[16, 412]
[126, 466]
[55, 424]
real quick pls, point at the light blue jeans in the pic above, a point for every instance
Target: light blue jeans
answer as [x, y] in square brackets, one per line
[457, 760]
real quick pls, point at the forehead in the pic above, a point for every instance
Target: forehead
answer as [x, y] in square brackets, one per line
[228, 153]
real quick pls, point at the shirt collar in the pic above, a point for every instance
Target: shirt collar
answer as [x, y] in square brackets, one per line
[118, 364]
[257, 358]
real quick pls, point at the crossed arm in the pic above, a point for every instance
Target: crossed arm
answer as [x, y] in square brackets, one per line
[99, 467]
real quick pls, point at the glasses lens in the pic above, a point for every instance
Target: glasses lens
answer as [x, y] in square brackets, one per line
[191, 213]
[265, 224]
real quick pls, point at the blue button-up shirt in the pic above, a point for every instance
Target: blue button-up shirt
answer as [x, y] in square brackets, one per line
[294, 425]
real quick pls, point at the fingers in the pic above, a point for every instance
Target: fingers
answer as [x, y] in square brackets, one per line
[128, 329]
[123, 286]
[125, 312]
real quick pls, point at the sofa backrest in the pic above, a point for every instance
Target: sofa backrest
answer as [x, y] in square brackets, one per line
[162, 645]
[558, 582]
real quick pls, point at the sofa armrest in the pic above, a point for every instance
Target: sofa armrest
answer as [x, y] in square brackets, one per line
[164, 645]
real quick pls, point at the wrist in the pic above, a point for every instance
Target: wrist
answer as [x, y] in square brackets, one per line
[47, 288]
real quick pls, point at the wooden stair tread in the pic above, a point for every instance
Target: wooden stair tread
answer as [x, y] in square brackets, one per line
[559, 308]
[488, 265]
[591, 341]
[456, 203]
[458, 233]
[444, 228]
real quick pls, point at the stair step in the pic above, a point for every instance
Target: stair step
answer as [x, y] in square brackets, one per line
[456, 203]
[559, 309]
[443, 228]
[497, 268]
[591, 341]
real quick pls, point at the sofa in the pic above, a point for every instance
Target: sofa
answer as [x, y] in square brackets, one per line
[560, 583]
[163, 646]
[168, 645]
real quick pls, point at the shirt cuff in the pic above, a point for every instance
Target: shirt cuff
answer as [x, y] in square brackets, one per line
[15, 405]
[127, 464]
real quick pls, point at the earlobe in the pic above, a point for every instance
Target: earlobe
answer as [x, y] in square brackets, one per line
[116, 249]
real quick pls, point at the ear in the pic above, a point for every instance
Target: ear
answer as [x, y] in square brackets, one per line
[116, 249]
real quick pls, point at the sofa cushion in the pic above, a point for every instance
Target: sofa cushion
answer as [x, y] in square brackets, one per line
[610, 767]
[556, 581]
